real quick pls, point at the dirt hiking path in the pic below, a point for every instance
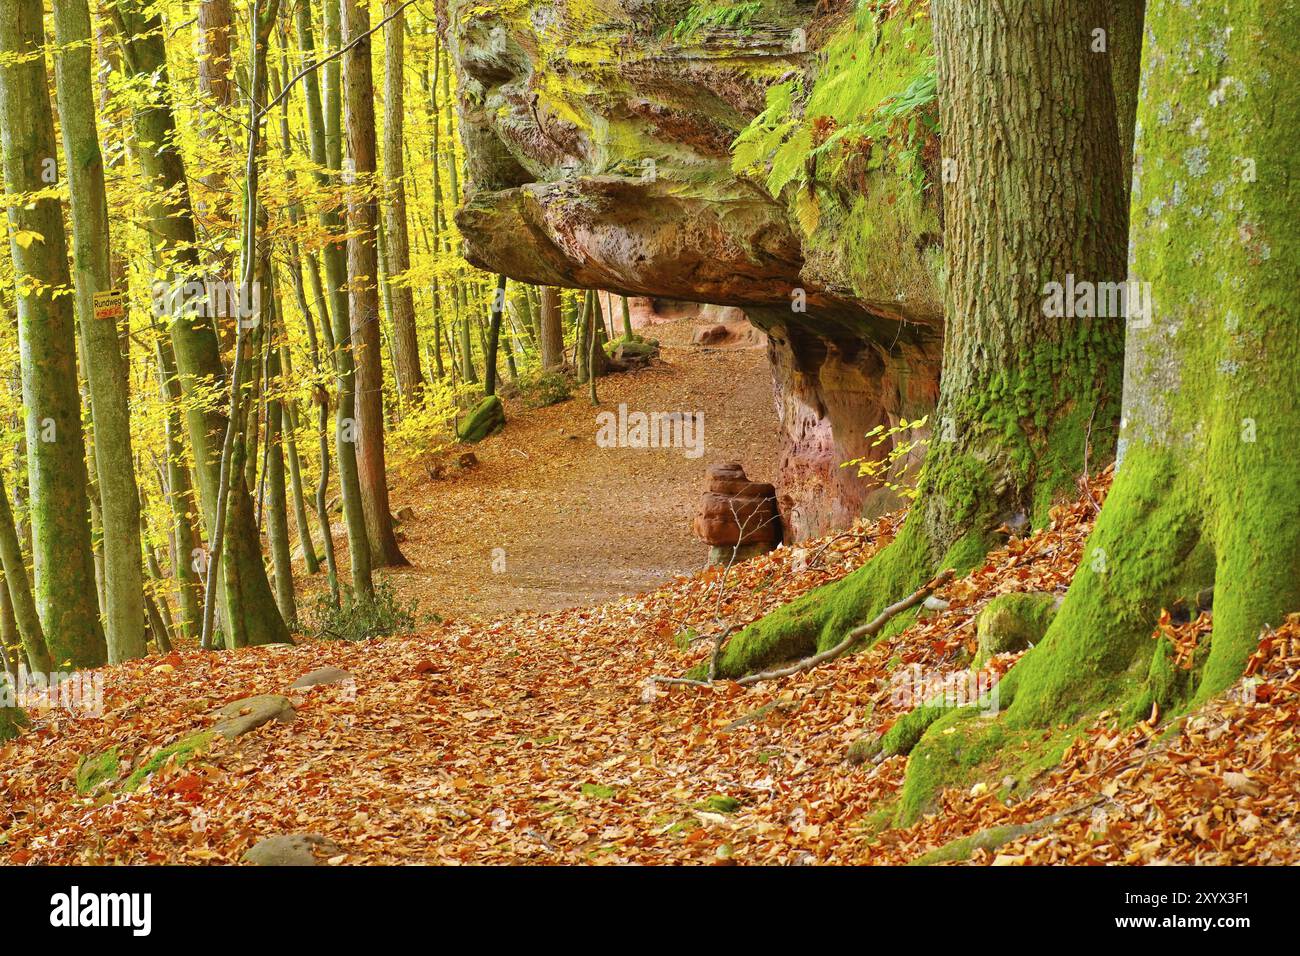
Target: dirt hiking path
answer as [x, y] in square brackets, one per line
[577, 524]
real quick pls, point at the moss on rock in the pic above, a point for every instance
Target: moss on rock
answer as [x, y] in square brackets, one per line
[180, 753]
[1013, 622]
[95, 770]
[487, 418]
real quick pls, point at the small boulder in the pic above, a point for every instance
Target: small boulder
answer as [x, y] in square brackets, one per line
[292, 849]
[710, 335]
[635, 352]
[1012, 622]
[321, 676]
[487, 418]
[241, 716]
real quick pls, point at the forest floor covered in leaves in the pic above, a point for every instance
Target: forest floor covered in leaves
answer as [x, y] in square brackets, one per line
[541, 739]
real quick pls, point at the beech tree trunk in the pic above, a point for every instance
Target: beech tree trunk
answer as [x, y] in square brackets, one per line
[326, 137]
[277, 510]
[249, 612]
[106, 366]
[1206, 493]
[494, 337]
[56, 466]
[552, 329]
[213, 205]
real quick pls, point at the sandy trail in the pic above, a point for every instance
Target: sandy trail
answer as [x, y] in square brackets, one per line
[550, 520]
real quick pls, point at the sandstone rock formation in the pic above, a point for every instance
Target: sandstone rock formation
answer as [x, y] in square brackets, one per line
[737, 518]
[652, 149]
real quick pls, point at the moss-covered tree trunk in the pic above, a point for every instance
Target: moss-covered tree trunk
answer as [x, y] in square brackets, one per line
[363, 289]
[1207, 492]
[249, 611]
[1034, 197]
[61, 550]
[106, 365]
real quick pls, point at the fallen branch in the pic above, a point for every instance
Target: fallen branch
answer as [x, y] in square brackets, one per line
[872, 627]
[719, 639]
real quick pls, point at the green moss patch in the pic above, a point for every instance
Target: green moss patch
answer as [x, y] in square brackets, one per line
[181, 752]
[94, 770]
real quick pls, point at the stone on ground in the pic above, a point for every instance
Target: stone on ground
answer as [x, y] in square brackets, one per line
[321, 676]
[737, 518]
[292, 849]
[241, 716]
[1012, 622]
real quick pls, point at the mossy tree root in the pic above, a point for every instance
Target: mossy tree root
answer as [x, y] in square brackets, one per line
[819, 620]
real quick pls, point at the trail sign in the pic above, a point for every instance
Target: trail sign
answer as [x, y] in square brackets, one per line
[110, 305]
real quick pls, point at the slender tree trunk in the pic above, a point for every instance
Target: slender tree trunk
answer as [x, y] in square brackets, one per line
[186, 542]
[494, 336]
[20, 590]
[434, 115]
[593, 368]
[325, 132]
[56, 466]
[9, 635]
[1124, 45]
[627, 319]
[524, 312]
[552, 329]
[277, 511]
[218, 99]
[1030, 130]
[363, 291]
[406, 348]
[309, 558]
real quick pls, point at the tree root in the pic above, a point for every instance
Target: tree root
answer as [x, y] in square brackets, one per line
[866, 630]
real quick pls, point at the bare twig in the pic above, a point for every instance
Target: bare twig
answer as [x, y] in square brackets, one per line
[1087, 444]
[718, 641]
